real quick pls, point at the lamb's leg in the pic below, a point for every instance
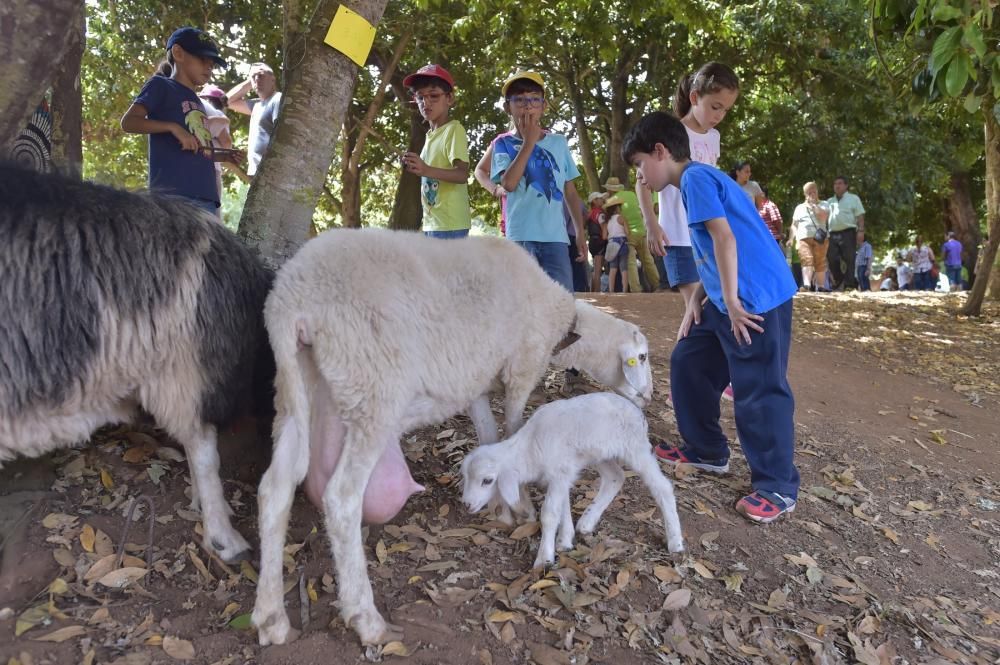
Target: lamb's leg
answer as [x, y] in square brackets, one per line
[612, 479]
[564, 539]
[342, 502]
[483, 420]
[552, 513]
[663, 492]
[289, 463]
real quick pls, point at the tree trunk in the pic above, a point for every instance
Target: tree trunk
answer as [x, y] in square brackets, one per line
[974, 304]
[619, 93]
[280, 204]
[961, 218]
[67, 105]
[350, 185]
[292, 36]
[360, 129]
[407, 210]
[34, 35]
[582, 132]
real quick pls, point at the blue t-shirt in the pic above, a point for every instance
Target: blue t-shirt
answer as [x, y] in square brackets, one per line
[535, 207]
[763, 278]
[172, 170]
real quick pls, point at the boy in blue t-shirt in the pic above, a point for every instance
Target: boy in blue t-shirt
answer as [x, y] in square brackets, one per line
[741, 334]
[537, 170]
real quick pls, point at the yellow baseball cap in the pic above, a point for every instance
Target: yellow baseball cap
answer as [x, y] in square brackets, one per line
[531, 76]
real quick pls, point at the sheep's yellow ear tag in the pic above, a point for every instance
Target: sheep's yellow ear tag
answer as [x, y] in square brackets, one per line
[631, 362]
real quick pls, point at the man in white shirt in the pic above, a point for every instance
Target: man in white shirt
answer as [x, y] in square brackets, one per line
[846, 224]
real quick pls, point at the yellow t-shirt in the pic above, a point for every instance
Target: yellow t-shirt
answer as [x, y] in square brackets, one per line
[446, 204]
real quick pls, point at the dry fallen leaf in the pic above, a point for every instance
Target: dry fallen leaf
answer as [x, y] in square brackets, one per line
[677, 599]
[525, 530]
[121, 578]
[87, 538]
[667, 574]
[177, 648]
[396, 648]
[62, 634]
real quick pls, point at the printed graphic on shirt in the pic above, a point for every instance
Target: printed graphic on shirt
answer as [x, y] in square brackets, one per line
[539, 174]
[429, 190]
[194, 119]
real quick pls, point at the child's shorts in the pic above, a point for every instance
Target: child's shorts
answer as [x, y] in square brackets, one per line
[616, 253]
[680, 265]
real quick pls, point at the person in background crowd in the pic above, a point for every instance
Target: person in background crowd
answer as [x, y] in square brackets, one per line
[218, 126]
[863, 265]
[922, 258]
[772, 217]
[808, 233]
[597, 237]
[952, 253]
[904, 274]
[263, 110]
[741, 173]
[847, 222]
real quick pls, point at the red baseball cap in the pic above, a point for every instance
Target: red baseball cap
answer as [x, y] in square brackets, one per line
[437, 71]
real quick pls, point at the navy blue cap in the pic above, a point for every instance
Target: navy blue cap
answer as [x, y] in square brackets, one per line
[196, 42]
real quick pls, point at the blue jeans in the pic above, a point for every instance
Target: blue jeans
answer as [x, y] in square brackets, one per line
[954, 275]
[922, 281]
[707, 360]
[553, 257]
[460, 233]
[864, 284]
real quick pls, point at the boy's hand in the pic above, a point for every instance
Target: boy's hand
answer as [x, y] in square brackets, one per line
[581, 250]
[413, 163]
[657, 240]
[528, 127]
[741, 320]
[186, 139]
[692, 316]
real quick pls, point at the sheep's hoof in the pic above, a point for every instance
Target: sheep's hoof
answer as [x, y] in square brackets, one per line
[373, 629]
[673, 548]
[541, 563]
[230, 547]
[272, 628]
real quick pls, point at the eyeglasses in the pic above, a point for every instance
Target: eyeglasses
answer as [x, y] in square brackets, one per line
[526, 100]
[432, 98]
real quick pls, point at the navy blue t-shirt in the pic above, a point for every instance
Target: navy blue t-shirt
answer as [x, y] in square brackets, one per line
[763, 278]
[172, 170]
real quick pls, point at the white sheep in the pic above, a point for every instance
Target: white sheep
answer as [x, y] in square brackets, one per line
[562, 438]
[376, 333]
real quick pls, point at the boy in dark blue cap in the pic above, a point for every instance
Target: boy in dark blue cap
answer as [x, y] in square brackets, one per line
[169, 110]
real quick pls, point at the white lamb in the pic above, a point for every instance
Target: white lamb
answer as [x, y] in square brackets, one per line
[561, 439]
[376, 333]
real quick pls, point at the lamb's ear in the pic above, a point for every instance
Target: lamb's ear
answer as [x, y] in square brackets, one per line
[510, 489]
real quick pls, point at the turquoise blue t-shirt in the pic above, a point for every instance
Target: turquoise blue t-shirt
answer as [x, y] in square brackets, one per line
[763, 278]
[535, 207]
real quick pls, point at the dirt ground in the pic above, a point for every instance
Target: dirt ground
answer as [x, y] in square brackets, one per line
[893, 555]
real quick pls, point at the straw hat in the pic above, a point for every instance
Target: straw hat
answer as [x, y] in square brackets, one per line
[614, 185]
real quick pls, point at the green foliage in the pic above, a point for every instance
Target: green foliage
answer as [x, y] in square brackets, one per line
[812, 103]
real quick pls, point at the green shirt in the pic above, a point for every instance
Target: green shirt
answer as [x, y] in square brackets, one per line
[446, 204]
[844, 212]
[632, 213]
